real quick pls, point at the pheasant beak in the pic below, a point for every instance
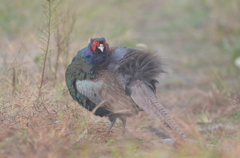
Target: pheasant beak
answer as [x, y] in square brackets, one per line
[101, 47]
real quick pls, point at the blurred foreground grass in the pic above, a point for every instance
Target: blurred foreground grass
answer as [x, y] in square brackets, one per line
[199, 41]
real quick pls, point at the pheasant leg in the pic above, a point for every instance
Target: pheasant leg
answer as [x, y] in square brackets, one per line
[123, 119]
[113, 120]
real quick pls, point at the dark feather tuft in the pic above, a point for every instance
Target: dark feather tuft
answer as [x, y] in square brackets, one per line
[145, 67]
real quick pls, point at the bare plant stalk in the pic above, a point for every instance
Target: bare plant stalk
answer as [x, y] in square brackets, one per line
[49, 64]
[49, 16]
[68, 38]
[13, 81]
[66, 29]
[59, 50]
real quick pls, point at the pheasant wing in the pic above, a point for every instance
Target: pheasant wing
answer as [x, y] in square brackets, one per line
[106, 92]
[90, 89]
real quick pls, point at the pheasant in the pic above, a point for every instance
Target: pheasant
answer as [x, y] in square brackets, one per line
[118, 82]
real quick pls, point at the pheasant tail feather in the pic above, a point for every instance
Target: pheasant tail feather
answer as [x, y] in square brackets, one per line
[146, 99]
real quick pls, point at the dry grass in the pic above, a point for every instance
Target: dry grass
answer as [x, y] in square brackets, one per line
[201, 89]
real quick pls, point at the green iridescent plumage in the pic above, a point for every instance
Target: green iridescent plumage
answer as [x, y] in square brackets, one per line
[80, 69]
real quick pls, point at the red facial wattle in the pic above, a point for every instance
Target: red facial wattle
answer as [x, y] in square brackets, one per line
[105, 45]
[95, 45]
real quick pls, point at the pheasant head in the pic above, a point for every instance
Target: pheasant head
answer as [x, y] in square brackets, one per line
[97, 51]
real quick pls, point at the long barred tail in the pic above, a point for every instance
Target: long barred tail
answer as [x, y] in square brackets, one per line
[140, 75]
[146, 99]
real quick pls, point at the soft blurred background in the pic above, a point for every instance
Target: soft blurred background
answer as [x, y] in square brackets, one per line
[199, 42]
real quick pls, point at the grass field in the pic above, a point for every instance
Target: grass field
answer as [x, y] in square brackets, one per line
[199, 42]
